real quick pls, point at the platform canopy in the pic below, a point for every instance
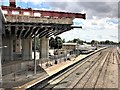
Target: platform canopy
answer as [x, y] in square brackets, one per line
[24, 23]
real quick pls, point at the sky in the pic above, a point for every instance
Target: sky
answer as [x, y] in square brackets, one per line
[101, 21]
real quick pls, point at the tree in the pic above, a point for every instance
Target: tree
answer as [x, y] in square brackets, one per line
[80, 42]
[37, 43]
[63, 40]
[107, 42]
[94, 42]
[102, 42]
[70, 41]
[75, 40]
[52, 42]
[58, 43]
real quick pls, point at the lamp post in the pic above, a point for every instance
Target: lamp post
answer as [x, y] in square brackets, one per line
[77, 49]
[65, 53]
[34, 53]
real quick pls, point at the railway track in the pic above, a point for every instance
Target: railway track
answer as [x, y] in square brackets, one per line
[118, 60]
[91, 72]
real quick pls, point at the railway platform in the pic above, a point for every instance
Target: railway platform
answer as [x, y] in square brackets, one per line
[24, 83]
[50, 71]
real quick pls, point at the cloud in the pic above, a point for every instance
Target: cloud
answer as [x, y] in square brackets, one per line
[36, 2]
[94, 29]
[99, 9]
